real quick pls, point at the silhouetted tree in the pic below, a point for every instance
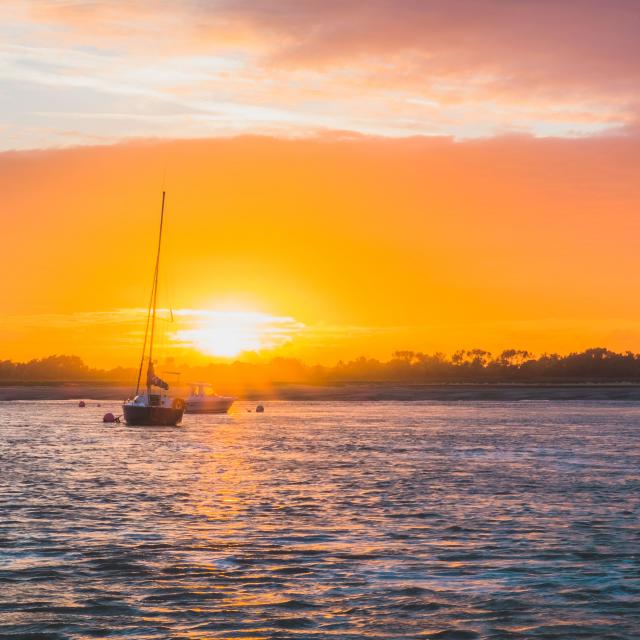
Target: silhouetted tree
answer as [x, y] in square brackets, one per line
[474, 365]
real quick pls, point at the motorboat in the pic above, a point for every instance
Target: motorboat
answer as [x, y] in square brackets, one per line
[202, 399]
[152, 404]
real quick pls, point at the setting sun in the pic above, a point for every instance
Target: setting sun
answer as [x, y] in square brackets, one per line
[229, 333]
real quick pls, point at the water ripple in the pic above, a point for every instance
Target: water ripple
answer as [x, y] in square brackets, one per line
[323, 520]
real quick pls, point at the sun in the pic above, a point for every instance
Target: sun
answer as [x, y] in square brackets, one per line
[227, 334]
[224, 340]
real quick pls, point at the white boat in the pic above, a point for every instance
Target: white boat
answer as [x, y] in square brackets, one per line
[202, 399]
[150, 407]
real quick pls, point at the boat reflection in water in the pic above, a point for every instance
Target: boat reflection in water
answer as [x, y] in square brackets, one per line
[202, 399]
[153, 408]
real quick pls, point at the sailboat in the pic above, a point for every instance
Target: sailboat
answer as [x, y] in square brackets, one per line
[154, 406]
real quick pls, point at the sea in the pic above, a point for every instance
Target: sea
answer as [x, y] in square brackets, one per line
[342, 520]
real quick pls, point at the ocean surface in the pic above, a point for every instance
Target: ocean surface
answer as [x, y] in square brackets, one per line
[323, 520]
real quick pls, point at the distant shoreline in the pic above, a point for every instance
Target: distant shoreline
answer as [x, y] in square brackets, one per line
[349, 392]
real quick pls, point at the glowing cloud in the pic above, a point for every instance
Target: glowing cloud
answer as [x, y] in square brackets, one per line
[77, 72]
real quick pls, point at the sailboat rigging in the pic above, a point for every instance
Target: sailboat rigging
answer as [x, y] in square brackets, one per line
[153, 408]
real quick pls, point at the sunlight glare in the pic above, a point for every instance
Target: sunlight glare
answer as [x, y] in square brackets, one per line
[229, 333]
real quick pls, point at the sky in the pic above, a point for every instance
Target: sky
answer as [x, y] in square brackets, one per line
[343, 178]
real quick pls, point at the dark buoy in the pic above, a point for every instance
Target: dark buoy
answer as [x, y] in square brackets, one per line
[109, 417]
[259, 409]
[82, 403]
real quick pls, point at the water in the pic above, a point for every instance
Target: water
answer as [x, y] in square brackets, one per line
[323, 520]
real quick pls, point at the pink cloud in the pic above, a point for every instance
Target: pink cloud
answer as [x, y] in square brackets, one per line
[464, 67]
[576, 42]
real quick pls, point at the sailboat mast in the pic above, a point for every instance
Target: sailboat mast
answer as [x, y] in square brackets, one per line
[151, 312]
[146, 336]
[155, 292]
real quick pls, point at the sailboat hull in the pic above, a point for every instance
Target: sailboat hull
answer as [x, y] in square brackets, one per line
[152, 416]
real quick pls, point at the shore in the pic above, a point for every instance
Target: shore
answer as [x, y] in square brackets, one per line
[349, 392]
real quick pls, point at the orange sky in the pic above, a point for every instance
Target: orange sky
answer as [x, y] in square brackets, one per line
[371, 244]
[343, 177]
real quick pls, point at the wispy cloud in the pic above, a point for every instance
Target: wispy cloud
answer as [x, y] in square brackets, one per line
[229, 333]
[179, 69]
[204, 331]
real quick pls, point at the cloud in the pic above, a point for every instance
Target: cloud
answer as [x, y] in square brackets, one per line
[389, 67]
[539, 42]
[206, 332]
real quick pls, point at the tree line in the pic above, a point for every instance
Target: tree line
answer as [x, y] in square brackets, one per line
[464, 366]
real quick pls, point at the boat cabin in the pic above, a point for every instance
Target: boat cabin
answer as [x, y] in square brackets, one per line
[153, 400]
[201, 390]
